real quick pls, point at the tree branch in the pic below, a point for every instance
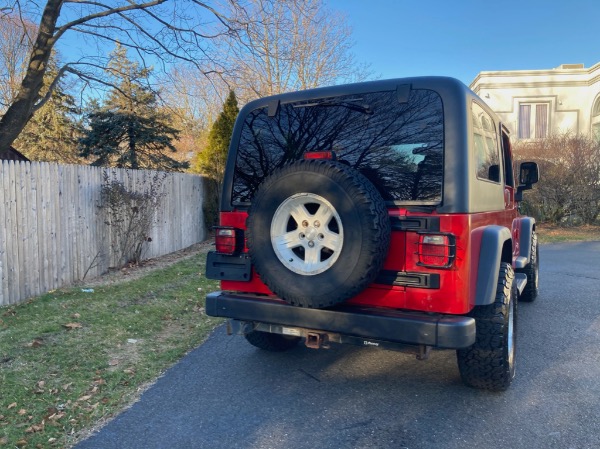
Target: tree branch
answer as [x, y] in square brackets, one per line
[109, 11]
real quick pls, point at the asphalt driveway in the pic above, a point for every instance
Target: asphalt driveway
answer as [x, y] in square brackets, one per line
[227, 394]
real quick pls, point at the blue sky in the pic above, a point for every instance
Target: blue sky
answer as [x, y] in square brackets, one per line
[460, 38]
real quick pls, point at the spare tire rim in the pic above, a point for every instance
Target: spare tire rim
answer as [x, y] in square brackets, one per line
[307, 234]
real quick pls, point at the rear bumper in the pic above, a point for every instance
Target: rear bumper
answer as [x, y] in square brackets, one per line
[411, 328]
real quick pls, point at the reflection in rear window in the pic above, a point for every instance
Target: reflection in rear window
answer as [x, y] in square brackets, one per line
[397, 146]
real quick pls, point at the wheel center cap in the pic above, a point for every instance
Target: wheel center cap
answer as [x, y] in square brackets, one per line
[311, 233]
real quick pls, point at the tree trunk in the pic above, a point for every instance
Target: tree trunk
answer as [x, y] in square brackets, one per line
[21, 110]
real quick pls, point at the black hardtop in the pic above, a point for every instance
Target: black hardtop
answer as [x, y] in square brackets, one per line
[459, 193]
[437, 83]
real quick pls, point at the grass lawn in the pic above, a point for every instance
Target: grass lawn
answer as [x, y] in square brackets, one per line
[556, 234]
[69, 360]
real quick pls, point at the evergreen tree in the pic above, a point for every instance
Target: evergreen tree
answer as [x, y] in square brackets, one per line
[211, 161]
[51, 135]
[130, 130]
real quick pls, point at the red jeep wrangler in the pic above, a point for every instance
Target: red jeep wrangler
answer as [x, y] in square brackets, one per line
[380, 214]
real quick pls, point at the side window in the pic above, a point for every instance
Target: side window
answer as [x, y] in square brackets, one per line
[509, 177]
[487, 155]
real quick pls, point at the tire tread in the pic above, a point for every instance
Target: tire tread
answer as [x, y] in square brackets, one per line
[375, 223]
[485, 365]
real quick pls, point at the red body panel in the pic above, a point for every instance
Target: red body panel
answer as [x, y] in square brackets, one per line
[456, 294]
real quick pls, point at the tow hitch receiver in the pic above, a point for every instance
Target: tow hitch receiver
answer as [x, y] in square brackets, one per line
[317, 341]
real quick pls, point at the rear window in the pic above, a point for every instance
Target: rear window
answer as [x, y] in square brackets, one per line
[398, 146]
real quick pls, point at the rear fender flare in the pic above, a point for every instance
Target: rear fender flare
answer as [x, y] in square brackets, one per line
[527, 228]
[493, 240]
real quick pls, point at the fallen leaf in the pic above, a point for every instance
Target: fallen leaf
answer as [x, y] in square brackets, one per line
[76, 316]
[129, 371]
[3, 441]
[35, 343]
[113, 362]
[71, 326]
[65, 387]
[51, 440]
[36, 428]
[21, 443]
[22, 412]
[57, 416]
[85, 398]
[13, 405]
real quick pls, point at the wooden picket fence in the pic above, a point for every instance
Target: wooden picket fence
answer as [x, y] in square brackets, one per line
[53, 232]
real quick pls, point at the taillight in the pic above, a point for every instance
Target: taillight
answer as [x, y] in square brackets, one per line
[436, 250]
[227, 240]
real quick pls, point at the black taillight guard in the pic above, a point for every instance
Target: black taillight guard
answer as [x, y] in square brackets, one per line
[448, 257]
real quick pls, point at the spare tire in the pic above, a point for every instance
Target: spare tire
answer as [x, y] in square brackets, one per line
[318, 233]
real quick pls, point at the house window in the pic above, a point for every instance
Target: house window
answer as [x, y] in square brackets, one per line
[596, 119]
[533, 120]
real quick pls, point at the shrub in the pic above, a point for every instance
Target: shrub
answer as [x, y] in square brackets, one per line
[130, 210]
[569, 187]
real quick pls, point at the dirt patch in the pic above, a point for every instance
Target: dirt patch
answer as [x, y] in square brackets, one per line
[130, 272]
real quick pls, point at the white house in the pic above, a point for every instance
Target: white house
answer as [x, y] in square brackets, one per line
[537, 103]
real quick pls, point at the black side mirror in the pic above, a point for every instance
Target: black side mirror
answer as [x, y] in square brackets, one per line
[529, 173]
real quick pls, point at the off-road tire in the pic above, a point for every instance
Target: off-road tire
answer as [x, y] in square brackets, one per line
[530, 292]
[359, 249]
[272, 342]
[490, 363]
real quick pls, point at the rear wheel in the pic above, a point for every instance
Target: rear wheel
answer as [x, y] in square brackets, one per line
[271, 342]
[532, 271]
[490, 363]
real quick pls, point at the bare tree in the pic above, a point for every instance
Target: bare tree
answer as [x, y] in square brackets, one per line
[289, 45]
[569, 188]
[159, 31]
[15, 46]
[194, 101]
